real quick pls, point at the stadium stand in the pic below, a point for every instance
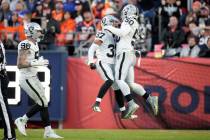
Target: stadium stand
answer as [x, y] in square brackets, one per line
[70, 29]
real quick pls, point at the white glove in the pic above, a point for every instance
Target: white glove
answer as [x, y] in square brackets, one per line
[39, 62]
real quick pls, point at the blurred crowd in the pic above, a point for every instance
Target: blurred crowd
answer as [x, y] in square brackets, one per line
[168, 27]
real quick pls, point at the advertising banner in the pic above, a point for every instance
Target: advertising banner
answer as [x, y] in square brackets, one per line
[183, 87]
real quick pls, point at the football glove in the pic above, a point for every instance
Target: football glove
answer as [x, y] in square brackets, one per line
[40, 62]
[137, 53]
[92, 66]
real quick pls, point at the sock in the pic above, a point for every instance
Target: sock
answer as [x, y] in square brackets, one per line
[25, 117]
[145, 96]
[119, 98]
[98, 101]
[128, 98]
[48, 128]
[104, 88]
[123, 109]
[33, 110]
[45, 116]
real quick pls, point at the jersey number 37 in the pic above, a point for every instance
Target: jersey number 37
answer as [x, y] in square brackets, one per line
[112, 50]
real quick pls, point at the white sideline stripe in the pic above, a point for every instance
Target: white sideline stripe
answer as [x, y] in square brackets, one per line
[6, 116]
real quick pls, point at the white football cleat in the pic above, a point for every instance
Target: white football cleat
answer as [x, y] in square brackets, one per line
[154, 104]
[130, 110]
[51, 134]
[21, 124]
[132, 117]
[96, 108]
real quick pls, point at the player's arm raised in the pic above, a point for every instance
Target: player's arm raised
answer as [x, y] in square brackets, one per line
[122, 31]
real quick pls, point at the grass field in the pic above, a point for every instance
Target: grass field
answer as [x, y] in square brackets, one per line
[127, 134]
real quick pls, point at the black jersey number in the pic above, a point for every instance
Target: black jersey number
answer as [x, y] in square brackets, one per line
[37, 55]
[25, 46]
[129, 21]
[100, 35]
[135, 37]
[112, 50]
[117, 39]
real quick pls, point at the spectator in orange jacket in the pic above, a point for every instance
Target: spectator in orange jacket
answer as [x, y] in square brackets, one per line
[57, 14]
[68, 26]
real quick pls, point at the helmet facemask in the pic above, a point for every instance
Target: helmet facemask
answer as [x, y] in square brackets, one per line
[109, 20]
[34, 31]
[130, 11]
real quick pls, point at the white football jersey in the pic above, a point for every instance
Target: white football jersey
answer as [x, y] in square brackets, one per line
[34, 54]
[126, 43]
[106, 51]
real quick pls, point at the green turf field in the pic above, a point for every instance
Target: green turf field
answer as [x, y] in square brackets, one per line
[92, 134]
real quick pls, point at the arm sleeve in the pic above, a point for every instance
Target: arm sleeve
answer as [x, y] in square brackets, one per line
[122, 31]
[91, 52]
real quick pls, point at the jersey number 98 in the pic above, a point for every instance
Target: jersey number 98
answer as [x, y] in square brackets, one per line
[25, 46]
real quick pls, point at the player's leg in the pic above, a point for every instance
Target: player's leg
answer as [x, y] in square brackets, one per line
[120, 101]
[106, 74]
[138, 89]
[29, 89]
[35, 90]
[124, 61]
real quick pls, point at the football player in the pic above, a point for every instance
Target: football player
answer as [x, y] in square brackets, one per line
[126, 59]
[104, 46]
[28, 60]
